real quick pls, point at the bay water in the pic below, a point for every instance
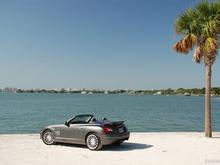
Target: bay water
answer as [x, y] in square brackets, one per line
[28, 113]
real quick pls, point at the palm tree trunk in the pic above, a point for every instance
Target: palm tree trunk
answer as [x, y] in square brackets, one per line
[208, 117]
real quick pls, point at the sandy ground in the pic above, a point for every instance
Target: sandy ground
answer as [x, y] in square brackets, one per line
[142, 149]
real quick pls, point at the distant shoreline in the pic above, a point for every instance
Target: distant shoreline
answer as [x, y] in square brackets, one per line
[180, 91]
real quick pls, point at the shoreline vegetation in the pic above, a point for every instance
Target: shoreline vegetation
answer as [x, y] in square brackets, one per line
[215, 91]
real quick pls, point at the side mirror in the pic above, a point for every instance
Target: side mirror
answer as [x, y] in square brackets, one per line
[103, 118]
[67, 123]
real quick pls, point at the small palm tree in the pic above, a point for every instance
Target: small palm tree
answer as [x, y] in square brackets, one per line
[200, 28]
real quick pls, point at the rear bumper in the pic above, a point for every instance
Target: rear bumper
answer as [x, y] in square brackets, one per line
[110, 139]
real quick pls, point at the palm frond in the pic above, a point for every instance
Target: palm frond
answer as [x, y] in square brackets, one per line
[180, 48]
[186, 23]
[194, 39]
[211, 46]
[197, 55]
[204, 8]
[210, 28]
[186, 44]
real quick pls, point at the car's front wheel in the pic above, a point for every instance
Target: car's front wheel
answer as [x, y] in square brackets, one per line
[93, 142]
[48, 137]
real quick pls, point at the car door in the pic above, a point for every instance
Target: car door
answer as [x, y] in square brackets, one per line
[73, 133]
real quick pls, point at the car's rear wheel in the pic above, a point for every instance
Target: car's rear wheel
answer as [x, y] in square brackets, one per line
[93, 142]
[48, 137]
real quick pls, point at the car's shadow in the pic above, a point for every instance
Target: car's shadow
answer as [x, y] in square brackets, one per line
[126, 146]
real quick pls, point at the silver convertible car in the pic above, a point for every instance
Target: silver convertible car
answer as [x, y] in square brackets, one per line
[85, 129]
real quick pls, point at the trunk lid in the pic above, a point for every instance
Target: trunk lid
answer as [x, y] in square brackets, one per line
[117, 127]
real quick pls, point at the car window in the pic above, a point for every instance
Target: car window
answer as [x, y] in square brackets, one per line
[81, 119]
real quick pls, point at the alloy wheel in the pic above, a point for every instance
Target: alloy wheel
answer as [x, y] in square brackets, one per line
[93, 142]
[48, 138]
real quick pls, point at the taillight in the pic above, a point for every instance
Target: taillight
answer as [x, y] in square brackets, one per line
[108, 130]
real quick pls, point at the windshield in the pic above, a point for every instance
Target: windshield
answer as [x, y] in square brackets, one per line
[81, 119]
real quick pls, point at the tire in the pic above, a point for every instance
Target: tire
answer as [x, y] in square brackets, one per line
[93, 142]
[48, 137]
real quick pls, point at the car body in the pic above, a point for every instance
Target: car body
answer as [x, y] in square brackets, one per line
[85, 129]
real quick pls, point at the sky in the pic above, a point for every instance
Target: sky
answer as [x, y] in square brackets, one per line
[105, 44]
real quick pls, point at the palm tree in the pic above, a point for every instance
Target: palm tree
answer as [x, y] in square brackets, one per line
[200, 28]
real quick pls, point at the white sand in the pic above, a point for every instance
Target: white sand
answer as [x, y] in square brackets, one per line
[142, 149]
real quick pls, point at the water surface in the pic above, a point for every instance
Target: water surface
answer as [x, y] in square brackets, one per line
[28, 113]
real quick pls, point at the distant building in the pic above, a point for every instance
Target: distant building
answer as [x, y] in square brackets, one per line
[9, 90]
[158, 93]
[187, 94]
[131, 92]
[68, 89]
[83, 92]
